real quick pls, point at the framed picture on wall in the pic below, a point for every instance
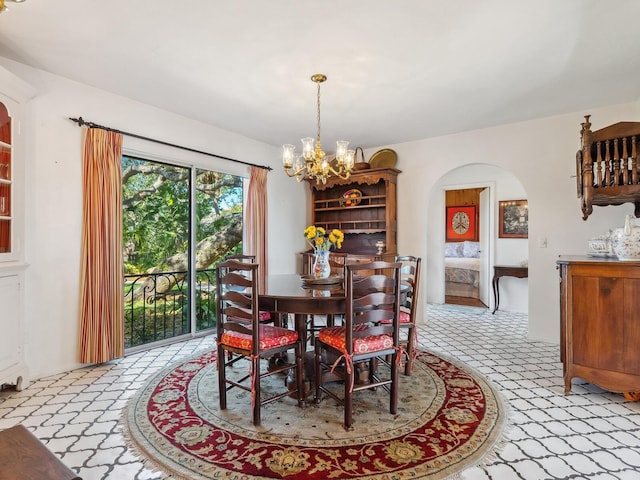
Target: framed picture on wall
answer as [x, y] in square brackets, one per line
[514, 219]
[461, 223]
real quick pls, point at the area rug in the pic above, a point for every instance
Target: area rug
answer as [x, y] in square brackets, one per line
[449, 418]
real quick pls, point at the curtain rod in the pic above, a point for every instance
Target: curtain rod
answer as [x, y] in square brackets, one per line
[82, 122]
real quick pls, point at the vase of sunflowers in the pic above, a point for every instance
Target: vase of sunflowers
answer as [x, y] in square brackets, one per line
[322, 243]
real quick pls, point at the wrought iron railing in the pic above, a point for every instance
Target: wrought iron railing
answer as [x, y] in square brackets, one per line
[156, 305]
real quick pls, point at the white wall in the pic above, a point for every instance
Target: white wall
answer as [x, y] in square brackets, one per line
[541, 155]
[54, 197]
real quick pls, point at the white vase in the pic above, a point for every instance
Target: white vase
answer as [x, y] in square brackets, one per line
[321, 267]
[626, 241]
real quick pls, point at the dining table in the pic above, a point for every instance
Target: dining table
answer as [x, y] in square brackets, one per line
[294, 294]
[290, 294]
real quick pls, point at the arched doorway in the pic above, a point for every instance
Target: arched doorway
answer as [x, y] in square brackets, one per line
[502, 185]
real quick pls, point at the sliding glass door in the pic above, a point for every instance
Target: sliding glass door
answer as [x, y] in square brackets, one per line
[178, 222]
[218, 234]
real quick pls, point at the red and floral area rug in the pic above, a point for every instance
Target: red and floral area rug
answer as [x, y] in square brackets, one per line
[449, 418]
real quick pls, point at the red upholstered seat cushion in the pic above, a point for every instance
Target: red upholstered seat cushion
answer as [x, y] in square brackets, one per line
[404, 318]
[270, 337]
[335, 336]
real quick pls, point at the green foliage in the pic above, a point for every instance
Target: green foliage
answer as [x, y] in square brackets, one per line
[156, 211]
[156, 222]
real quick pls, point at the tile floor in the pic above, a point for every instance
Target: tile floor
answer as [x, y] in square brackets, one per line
[588, 434]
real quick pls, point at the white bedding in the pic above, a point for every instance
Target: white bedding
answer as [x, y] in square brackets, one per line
[464, 263]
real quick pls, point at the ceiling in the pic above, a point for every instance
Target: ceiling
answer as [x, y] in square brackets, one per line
[397, 70]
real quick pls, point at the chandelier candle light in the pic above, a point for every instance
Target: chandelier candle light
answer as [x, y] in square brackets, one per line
[313, 162]
[3, 7]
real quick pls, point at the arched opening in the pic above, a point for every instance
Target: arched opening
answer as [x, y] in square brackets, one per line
[498, 185]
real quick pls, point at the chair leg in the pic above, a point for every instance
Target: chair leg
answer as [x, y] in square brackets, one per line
[255, 389]
[393, 394]
[411, 351]
[348, 398]
[318, 374]
[222, 380]
[300, 372]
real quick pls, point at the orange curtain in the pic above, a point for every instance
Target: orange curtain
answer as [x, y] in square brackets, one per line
[101, 316]
[256, 221]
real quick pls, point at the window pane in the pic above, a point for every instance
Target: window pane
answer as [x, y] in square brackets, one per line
[156, 250]
[156, 243]
[218, 234]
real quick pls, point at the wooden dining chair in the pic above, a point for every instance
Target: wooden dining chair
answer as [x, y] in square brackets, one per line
[242, 257]
[409, 283]
[265, 317]
[241, 334]
[366, 337]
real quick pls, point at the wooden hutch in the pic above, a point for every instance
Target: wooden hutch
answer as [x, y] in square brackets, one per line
[363, 207]
[600, 297]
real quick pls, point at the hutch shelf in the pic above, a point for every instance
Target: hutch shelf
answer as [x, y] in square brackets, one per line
[363, 207]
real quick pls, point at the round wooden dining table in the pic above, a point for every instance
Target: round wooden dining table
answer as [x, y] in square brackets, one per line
[287, 294]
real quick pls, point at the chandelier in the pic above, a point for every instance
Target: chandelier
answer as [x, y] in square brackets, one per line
[313, 163]
[3, 7]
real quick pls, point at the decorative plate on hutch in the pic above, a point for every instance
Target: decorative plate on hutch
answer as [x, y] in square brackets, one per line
[352, 197]
[385, 158]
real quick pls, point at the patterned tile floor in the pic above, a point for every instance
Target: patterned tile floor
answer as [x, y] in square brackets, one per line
[588, 434]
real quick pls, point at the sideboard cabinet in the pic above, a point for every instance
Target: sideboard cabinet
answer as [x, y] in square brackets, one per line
[600, 322]
[363, 207]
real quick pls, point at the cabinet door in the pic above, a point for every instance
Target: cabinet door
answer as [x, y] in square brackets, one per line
[631, 332]
[606, 323]
[598, 322]
[10, 323]
[6, 180]
[11, 171]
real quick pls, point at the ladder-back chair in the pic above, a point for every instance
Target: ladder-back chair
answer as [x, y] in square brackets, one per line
[241, 334]
[365, 337]
[409, 283]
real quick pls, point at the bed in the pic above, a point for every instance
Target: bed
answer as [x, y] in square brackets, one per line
[462, 269]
